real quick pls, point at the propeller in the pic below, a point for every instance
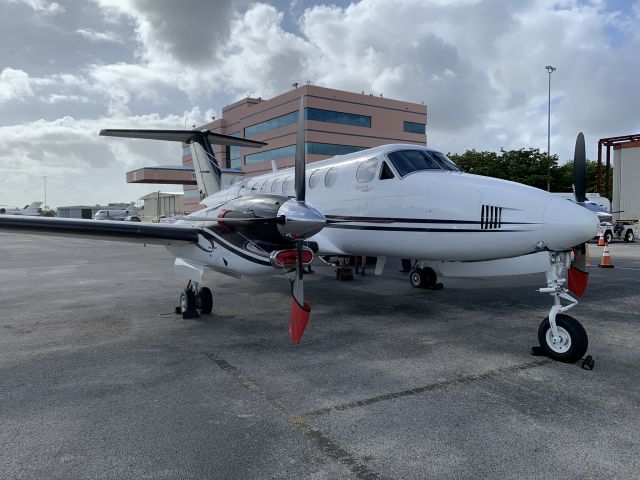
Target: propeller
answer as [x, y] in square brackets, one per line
[577, 275]
[301, 221]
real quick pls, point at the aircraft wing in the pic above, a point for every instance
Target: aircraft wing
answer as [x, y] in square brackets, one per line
[135, 232]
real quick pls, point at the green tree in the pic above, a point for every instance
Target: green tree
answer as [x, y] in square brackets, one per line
[527, 165]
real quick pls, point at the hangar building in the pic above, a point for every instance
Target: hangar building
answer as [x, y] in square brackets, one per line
[625, 195]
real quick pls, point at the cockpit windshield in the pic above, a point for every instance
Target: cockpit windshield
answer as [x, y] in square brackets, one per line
[409, 161]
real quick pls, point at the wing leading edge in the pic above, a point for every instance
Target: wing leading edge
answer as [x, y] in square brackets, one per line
[155, 233]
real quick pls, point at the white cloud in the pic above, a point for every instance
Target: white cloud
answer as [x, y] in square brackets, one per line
[14, 84]
[478, 65]
[94, 36]
[81, 166]
[41, 6]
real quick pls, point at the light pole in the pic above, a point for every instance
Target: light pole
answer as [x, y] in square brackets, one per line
[550, 69]
[44, 178]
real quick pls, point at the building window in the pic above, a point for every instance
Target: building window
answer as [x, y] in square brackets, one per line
[235, 159]
[330, 148]
[342, 118]
[413, 127]
[271, 124]
[269, 155]
[186, 150]
[192, 193]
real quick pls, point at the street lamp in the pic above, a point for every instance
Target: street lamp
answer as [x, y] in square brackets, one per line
[550, 69]
[44, 178]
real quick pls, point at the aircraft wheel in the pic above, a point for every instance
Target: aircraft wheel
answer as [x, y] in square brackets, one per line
[204, 300]
[572, 341]
[422, 277]
[629, 236]
[187, 302]
[417, 278]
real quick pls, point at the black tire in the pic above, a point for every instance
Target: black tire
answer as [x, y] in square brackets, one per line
[608, 236]
[187, 301]
[577, 339]
[629, 237]
[204, 301]
[430, 277]
[422, 277]
[418, 278]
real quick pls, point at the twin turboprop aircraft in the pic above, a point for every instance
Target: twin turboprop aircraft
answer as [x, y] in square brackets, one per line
[391, 201]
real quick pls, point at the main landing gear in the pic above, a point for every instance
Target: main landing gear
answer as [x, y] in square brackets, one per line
[194, 300]
[561, 336]
[424, 278]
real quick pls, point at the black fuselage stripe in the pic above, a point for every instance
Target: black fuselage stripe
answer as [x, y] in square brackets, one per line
[232, 249]
[418, 229]
[415, 220]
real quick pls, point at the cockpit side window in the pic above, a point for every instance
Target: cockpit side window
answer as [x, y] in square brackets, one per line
[385, 172]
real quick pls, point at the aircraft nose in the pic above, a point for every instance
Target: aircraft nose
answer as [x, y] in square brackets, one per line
[566, 224]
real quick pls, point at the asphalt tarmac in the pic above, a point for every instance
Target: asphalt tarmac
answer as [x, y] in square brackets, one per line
[100, 379]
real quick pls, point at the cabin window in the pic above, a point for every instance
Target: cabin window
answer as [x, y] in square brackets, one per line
[385, 172]
[367, 170]
[266, 186]
[287, 186]
[316, 178]
[276, 187]
[331, 177]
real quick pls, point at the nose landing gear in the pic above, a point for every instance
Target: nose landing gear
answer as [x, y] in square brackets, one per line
[561, 336]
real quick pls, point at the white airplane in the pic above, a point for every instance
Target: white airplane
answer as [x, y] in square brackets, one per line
[116, 213]
[395, 200]
[33, 209]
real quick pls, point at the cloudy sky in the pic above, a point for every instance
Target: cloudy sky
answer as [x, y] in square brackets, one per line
[70, 67]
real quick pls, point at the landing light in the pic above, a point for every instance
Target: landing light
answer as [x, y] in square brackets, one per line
[283, 258]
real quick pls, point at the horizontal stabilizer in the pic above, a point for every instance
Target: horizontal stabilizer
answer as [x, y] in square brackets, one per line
[184, 136]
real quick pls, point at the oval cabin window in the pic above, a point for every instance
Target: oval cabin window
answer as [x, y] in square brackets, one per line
[276, 187]
[287, 186]
[367, 170]
[331, 177]
[316, 178]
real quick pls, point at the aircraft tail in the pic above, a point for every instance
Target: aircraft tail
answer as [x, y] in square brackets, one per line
[33, 209]
[206, 166]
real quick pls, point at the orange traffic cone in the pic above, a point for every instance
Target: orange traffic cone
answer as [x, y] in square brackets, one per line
[601, 240]
[605, 261]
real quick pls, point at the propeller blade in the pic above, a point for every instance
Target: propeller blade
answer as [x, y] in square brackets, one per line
[299, 158]
[580, 170]
[300, 311]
